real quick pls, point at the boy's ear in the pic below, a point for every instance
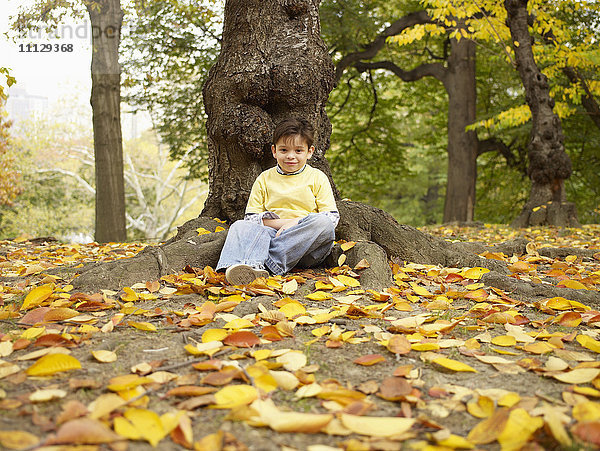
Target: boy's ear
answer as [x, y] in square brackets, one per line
[311, 150]
[273, 150]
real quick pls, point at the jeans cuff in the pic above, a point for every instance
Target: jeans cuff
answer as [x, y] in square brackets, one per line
[273, 267]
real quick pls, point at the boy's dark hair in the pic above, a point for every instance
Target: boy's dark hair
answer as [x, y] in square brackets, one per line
[294, 126]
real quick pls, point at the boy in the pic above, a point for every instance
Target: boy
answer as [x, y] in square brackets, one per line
[291, 214]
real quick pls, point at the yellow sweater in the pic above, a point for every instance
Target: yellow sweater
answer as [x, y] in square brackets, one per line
[291, 196]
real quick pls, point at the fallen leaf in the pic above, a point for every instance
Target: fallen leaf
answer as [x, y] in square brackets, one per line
[292, 360]
[52, 364]
[519, 428]
[376, 426]
[588, 432]
[482, 408]
[394, 388]
[578, 375]
[399, 344]
[47, 395]
[38, 295]
[148, 327]
[588, 342]
[281, 421]
[370, 359]
[348, 245]
[83, 431]
[489, 429]
[453, 365]
[14, 439]
[242, 339]
[235, 396]
[104, 356]
[587, 411]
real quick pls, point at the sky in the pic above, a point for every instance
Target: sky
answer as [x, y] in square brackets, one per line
[54, 74]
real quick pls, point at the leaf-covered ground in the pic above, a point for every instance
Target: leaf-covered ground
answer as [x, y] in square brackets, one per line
[308, 361]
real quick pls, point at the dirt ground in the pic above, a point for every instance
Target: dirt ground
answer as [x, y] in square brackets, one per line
[354, 323]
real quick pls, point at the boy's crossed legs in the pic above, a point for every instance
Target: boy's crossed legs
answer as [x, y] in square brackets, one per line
[254, 248]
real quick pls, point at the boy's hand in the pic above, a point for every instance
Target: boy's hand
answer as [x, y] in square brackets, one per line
[287, 223]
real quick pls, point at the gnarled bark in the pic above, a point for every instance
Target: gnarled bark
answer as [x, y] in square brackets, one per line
[273, 65]
[549, 165]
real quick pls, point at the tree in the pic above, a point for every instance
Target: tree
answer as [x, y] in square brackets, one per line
[254, 84]
[458, 79]
[549, 165]
[106, 18]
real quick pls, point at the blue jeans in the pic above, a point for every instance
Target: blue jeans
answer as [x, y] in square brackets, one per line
[306, 244]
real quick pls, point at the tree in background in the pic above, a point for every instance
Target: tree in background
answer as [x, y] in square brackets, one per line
[549, 165]
[106, 19]
[449, 60]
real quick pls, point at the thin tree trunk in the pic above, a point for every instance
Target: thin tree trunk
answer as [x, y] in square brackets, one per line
[549, 165]
[106, 18]
[273, 64]
[460, 84]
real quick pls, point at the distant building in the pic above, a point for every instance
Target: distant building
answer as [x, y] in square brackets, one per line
[21, 104]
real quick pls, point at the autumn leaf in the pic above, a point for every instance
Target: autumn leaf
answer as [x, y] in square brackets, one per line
[52, 364]
[399, 344]
[453, 365]
[141, 325]
[377, 426]
[83, 431]
[235, 396]
[489, 429]
[588, 342]
[242, 339]
[369, 360]
[38, 295]
[16, 439]
[104, 356]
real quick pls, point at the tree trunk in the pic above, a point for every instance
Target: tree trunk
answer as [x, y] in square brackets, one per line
[106, 18]
[549, 165]
[273, 64]
[462, 145]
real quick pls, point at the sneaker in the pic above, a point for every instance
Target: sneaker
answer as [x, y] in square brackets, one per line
[243, 274]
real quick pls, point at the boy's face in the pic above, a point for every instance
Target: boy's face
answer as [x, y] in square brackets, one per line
[291, 153]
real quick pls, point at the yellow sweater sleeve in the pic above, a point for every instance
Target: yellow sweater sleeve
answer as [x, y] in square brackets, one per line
[324, 194]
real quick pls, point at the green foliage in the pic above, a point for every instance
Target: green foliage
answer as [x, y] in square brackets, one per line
[582, 142]
[10, 178]
[52, 203]
[167, 55]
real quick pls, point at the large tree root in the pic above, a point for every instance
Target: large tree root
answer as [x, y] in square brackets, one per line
[527, 291]
[156, 261]
[378, 237]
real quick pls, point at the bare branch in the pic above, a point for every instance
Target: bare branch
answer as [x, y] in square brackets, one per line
[371, 50]
[89, 188]
[436, 70]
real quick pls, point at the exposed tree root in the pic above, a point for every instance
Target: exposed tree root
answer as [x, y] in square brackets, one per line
[525, 291]
[156, 261]
[378, 236]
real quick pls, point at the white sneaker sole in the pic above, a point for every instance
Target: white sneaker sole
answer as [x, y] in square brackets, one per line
[243, 274]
